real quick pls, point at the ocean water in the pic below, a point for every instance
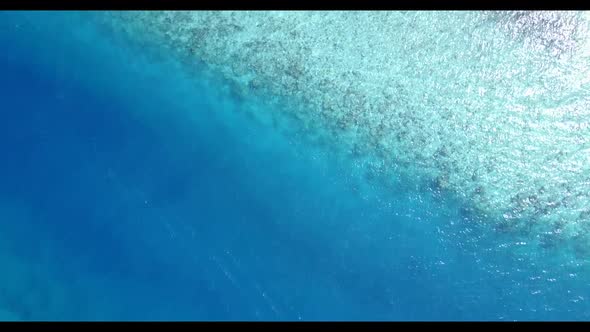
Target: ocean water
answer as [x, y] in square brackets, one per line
[134, 189]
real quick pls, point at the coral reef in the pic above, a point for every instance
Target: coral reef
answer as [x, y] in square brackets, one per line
[493, 107]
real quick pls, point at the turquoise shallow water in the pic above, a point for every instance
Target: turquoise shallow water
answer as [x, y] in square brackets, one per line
[134, 189]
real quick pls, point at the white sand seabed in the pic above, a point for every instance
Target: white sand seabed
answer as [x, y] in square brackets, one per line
[493, 107]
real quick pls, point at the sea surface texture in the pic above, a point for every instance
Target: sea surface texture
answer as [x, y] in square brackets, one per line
[294, 165]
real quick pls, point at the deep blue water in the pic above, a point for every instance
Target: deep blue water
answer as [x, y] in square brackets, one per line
[126, 193]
